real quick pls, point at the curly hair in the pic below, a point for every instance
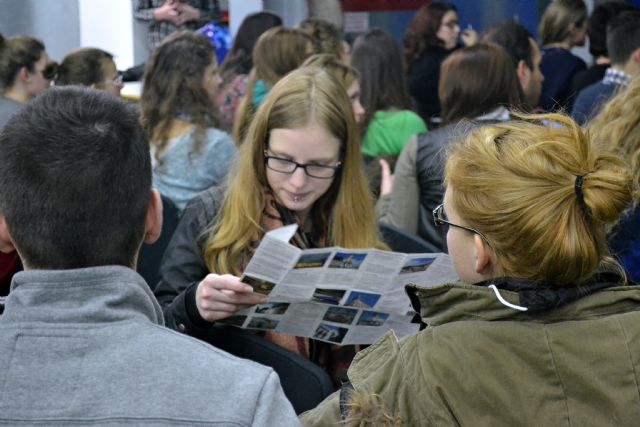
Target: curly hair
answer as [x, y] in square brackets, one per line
[421, 33]
[173, 87]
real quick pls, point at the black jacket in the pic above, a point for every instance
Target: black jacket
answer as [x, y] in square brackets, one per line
[183, 266]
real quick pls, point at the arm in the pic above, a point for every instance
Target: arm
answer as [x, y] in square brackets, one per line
[326, 413]
[191, 298]
[400, 207]
[183, 266]
[145, 11]
[208, 11]
[273, 408]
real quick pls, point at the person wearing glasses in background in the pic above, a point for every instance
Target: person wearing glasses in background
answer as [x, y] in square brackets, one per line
[90, 67]
[431, 36]
[542, 329]
[25, 71]
[300, 164]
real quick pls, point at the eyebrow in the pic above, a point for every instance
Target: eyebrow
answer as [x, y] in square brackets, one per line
[287, 156]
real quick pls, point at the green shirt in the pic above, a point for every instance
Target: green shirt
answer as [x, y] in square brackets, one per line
[389, 131]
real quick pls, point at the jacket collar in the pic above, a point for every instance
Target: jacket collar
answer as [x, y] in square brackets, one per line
[86, 295]
[544, 302]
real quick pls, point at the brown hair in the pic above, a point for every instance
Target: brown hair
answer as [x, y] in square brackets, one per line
[327, 38]
[464, 95]
[15, 53]
[516, 183]
[345, 74]
[421, 33]
[83, 67]
[278, 51]
[173, 85]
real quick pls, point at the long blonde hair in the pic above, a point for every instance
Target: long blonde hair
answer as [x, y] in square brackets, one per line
[306, 96]
[278, 51]
[518, 184]
[617, 127]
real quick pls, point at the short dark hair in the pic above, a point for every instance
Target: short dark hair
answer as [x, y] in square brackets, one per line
[598, 22]
[515, 39]
[83, 66]
[75, 179]
[623, 36]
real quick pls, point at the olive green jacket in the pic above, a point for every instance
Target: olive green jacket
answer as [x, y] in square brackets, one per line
[480, 363]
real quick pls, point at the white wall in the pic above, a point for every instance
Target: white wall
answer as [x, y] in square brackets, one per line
[108, 25]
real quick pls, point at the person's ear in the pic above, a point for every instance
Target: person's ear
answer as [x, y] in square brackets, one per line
[6, 243]
[484, 263]
[23, 74]
[153, 226]
[524, 73]
[635, 57]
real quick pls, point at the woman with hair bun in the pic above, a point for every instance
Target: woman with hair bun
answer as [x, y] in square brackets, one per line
[542, 325]
[25, 71]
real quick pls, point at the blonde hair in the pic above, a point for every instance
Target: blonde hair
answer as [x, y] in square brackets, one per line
[345, 74]
[305, 96]
[617, 127]
[557, 17]
[516, 183]
[278, 51]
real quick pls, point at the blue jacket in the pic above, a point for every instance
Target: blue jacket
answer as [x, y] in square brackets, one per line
[591, 99]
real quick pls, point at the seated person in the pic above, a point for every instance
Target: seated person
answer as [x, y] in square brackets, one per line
[623, 41]
[467, 102]
[388, 119]
[542, 326]
[278, 51]
[300, 163]
[190, 152]
[90, 67]
[618, 127]
[25, 72]
[82, 335]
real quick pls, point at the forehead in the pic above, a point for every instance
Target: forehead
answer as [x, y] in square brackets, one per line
[449, 16]
[311, 142]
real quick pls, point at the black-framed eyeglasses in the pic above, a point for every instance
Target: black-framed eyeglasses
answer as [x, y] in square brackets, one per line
[439, 219]
[313, 170]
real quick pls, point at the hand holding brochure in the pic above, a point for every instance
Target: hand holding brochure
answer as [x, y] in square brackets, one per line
[342, 296]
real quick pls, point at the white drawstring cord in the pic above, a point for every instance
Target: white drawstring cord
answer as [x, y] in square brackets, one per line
[504, 301]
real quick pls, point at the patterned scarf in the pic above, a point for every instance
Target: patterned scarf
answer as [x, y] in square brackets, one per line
[275, 216]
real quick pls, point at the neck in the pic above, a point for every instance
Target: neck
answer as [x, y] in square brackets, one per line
[563, 45]
[16, 93]
[177, 128]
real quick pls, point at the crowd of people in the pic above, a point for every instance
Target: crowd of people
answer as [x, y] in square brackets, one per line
[512, 156]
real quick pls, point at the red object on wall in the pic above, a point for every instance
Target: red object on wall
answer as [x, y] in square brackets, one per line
[380, 5]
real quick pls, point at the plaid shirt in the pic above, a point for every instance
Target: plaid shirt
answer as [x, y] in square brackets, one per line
[615, 77]
[158, 30]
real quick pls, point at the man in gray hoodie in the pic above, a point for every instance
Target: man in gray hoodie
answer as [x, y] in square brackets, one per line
[81, 335]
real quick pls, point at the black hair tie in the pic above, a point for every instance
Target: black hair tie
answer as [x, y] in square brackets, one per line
[578, 188]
